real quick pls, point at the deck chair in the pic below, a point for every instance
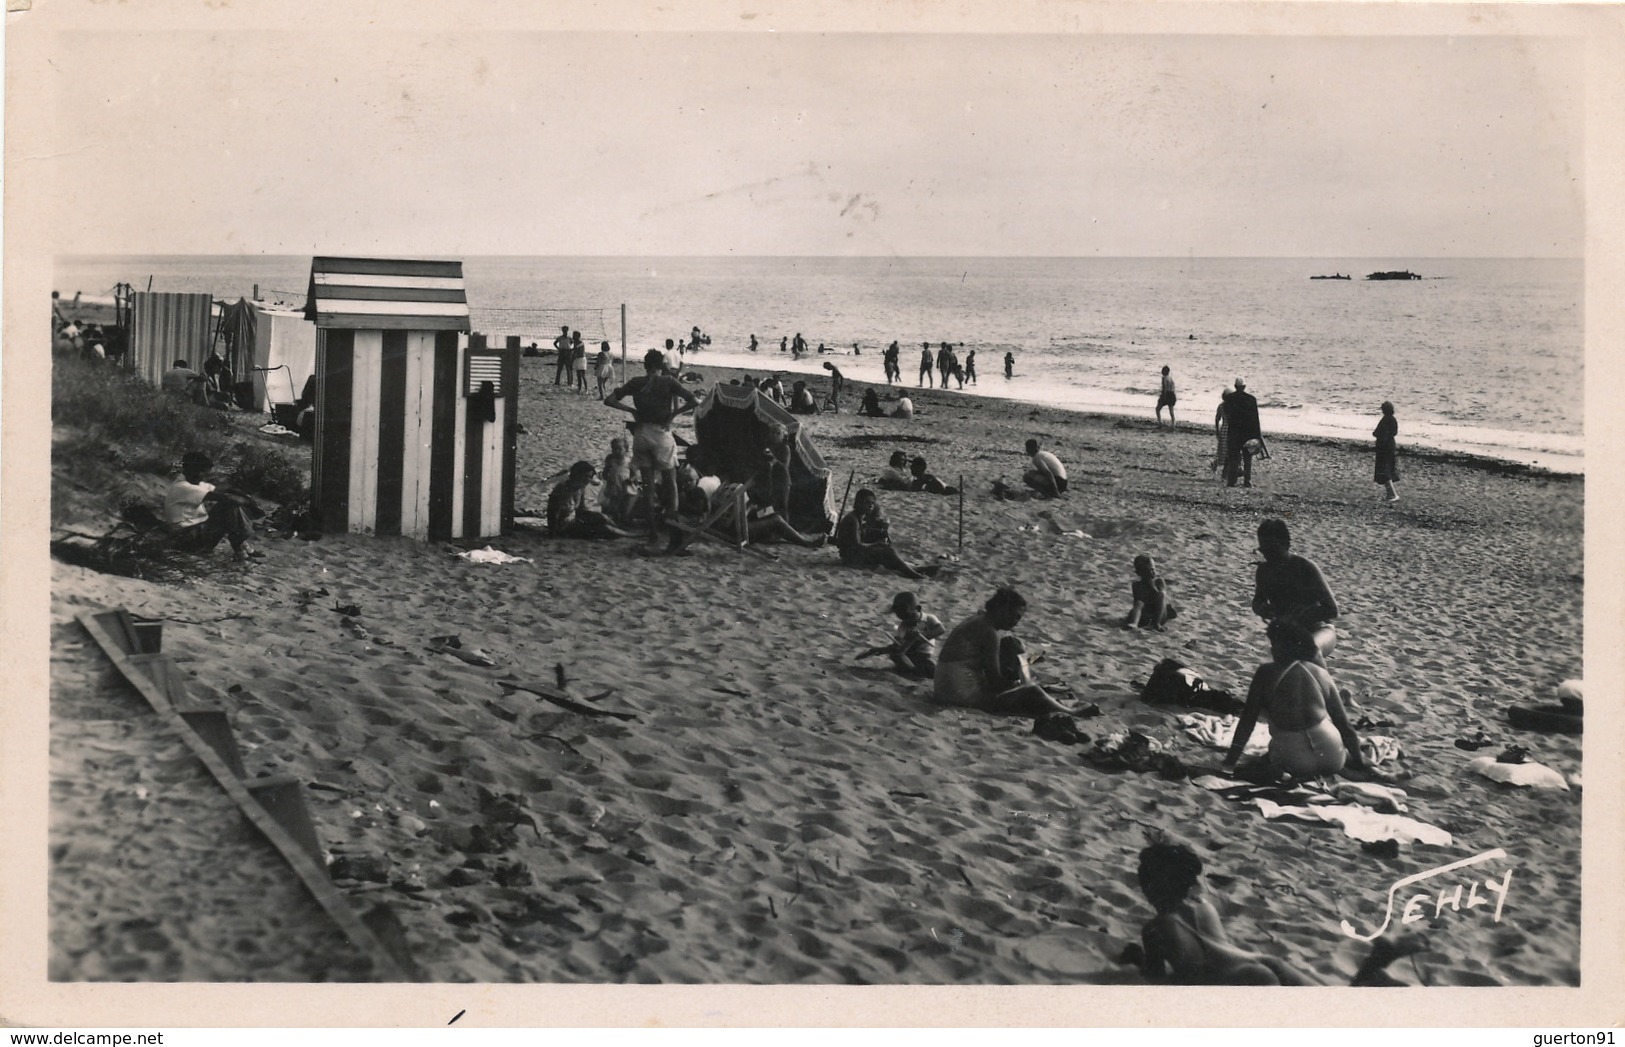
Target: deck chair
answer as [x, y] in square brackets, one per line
[726, 522]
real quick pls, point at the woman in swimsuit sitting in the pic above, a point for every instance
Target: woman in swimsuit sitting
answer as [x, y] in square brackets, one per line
[976, 670]
[863, 537]
[896, 477]
[1185, 942]
[1310, 734]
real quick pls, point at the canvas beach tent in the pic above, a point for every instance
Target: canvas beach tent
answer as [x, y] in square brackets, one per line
[732, 423]
[415, 417]
[270, 349]
[169, 326]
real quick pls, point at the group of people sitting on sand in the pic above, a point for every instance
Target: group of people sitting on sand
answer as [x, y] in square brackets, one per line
[982, 665]
[1311, 733]
[212, 387]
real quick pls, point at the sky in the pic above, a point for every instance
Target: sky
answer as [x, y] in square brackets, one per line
[384, 139]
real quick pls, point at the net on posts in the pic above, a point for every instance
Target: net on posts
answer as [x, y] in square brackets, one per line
[541, 326]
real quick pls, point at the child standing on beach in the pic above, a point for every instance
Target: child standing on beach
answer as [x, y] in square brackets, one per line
[913, 649]
[1152, 608]
[578, 364]
[604, 368]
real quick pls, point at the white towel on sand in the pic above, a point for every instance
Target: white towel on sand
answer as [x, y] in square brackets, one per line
[490, 555]
[1219, 731]
[1361, 823]
[1388, 798]
[1531, 774]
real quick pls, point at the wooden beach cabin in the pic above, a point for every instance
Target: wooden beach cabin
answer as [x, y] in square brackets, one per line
[414, 416]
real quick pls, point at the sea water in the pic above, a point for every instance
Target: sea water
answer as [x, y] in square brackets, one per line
[1484, 356]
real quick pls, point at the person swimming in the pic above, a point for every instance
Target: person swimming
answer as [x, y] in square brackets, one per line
[1310, 733]
[1185, 942]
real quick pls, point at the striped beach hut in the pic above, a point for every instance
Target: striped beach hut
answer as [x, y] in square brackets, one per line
[415, 417]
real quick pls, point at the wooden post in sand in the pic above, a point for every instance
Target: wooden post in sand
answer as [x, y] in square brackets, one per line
[849, 478]
[623, 341]
[961, 512]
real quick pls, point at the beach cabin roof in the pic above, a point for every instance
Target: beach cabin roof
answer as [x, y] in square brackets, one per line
[388, 294]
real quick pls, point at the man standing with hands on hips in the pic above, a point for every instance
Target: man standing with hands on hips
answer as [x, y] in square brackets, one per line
[655, 398]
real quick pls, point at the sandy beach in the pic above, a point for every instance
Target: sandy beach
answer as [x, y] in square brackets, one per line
[779, 812]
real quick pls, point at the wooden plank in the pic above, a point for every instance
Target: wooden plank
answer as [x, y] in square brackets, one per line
[391, 432]
[442, 391]
[510, 435]
[415, 443]
[400, 306]
[336, 397]
[355, 293]
[214, 727]
[387, 266]
[459, 479]
[474, 457]
[391, 322]
[491, 473]
[369, 351]
[283, 797]
[310, 873]
[121, 627]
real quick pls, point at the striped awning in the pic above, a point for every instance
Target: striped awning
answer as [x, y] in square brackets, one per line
[387, 294]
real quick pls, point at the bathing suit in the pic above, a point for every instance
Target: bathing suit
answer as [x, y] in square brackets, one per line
[962, 684]
[1310, 752]
[1305, 751]
[1233, 961]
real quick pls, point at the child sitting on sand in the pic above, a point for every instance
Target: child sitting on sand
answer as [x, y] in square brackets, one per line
[1152, 607]
[914, 649]
[620, 492]
[567, 512]
[921, 479]
[1185, 942]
